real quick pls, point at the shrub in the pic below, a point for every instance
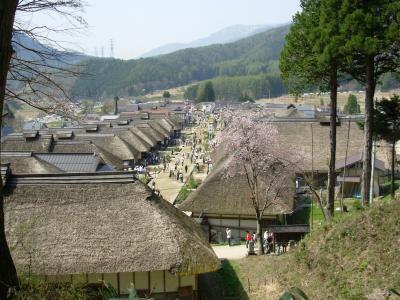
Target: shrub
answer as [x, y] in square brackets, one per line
[357, 204]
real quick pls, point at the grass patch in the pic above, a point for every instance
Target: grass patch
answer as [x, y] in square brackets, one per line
[55, 124]
[355, 256]
[185, 191]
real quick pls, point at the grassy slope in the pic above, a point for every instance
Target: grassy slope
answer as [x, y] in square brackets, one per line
[352, 258]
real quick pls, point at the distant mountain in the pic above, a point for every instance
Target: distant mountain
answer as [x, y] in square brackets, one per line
[27, 48]
[39, 57]
[226, 35]
[251, 56]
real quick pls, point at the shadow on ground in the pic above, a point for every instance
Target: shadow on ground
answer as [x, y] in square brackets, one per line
[223, 284]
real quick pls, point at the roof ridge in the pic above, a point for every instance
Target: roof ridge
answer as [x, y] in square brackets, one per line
[72, 178]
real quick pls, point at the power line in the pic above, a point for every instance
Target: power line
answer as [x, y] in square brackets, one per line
[111, 48]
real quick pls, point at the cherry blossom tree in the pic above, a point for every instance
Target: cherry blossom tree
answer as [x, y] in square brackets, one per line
[269, 170]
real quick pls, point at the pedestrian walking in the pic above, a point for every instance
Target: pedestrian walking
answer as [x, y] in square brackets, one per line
[228, 235]
[248, 238]
[181, 177]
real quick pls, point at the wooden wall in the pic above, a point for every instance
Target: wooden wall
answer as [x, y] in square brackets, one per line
[155, 281]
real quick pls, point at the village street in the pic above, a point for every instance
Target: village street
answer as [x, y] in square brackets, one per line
[233, 252]
[168, 185]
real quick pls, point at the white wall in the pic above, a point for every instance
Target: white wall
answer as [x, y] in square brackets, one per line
[160, 281]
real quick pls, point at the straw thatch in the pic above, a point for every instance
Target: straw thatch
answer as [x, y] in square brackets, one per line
[110, 143]
[140, 132]
[28, 164]
[160, 129]
[298, 135]
[223, 195]
[135, 142]
[17, 142]
[166, 124]
[100, 227]
[151, 133]
[74, 147]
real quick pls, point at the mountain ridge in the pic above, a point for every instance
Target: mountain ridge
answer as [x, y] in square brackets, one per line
[254, 55]
[226, 35]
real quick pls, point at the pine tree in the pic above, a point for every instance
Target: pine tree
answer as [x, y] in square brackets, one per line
[371, 30]
[387, 127]
[352, 107]
[206, 92]
[312, 57]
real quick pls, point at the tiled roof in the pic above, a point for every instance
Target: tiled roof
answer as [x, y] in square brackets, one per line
[71, 162]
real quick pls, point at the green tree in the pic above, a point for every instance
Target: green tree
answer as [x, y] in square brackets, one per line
[352, 107]
[387, 127]
[206, 92]
[245, 97]
[371, 30]
[166, 95]
[312, 57]
[191, 92]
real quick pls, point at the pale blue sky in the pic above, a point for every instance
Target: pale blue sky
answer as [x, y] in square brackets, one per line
[137, 26]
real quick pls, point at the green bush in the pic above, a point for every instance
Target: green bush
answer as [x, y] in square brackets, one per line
[356, 205]
[384, 189]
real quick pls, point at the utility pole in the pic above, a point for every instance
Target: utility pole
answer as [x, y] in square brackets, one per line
[371, 187]
[111, 48]
[312, 175]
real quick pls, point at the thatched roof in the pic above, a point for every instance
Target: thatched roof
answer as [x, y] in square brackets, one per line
[160, 129]
[219, 194]
[18, 142]
[140, 132]
[358, 157]
[151, 133]
[298, 135]
[111, 149]
[167, 124]
[110, 143]
[74, 147]
[23, 163]
[104, 223]
[135, 142]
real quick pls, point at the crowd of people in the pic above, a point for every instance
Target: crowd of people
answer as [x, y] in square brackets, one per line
[251, 239]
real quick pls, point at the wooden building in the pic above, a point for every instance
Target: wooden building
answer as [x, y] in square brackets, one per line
[88, 227]
[349, 172]
[221, 202]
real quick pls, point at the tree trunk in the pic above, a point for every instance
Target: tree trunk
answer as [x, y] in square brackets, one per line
[392, 189]
[260, 246]
[368, 124]
[8, 274]
[333, 85]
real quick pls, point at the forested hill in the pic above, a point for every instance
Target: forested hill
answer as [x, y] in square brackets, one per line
[255, 55]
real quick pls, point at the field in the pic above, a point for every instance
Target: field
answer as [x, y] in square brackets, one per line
[315, 99]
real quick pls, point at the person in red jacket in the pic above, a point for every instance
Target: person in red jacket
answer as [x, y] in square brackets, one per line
[248, 238]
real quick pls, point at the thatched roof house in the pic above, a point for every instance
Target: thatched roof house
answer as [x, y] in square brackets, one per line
[47, 163]
[27, 163]
[107, 224]
[22, 142]
[221, 195]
